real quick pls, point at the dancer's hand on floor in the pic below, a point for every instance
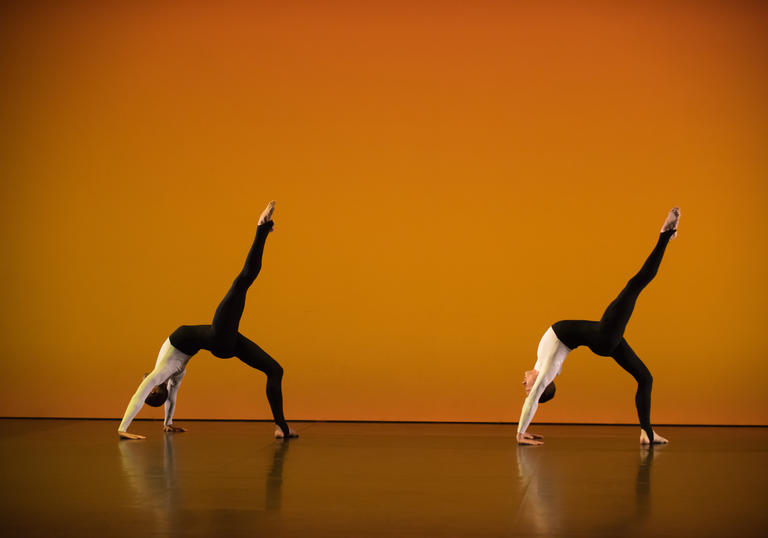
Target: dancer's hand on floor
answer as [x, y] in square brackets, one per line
[172, 428]
[126, 435]
[529, 439]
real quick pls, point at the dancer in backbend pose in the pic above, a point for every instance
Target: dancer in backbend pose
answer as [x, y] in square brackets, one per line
[605, 338]
[222, 339]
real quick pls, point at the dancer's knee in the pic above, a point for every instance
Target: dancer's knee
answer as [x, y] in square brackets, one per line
[275, 371]
[645, 380]
[248, 275]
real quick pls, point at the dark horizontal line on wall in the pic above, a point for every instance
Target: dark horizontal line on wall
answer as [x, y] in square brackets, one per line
[498, 423]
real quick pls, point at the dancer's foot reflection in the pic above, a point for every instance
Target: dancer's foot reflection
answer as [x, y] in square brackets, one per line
[274, 499]
[643, 482]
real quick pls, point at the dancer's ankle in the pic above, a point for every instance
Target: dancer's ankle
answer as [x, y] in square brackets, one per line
[283, 426]
[266, 226]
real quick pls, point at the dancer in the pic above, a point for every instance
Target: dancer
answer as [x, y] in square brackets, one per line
[222, 339]
[605, 338]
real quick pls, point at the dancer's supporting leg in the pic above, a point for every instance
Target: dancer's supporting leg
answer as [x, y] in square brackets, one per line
[255, 357]
[227, 317]
[627, 359]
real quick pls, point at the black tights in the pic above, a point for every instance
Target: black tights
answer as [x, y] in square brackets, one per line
[606, 337]
[222, 338]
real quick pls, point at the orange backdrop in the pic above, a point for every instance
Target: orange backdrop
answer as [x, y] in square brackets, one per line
[451, 179]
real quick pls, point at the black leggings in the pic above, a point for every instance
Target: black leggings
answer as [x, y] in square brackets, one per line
[222, 338]
[606, 337]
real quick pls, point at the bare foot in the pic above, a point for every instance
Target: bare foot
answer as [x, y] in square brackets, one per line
[126, 435]
[529, 439]
[174, 429]
[672, 220]
[266, 215]
[657, 439]
[280, 435]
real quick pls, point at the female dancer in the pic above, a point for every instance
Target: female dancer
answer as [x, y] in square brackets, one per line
[605, 338]
[222, 339]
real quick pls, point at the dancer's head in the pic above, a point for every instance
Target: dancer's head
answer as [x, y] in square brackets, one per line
[158, 396]
[548, 393]
[529, 379]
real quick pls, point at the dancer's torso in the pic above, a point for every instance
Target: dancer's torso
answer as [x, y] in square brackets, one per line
[172, 358]
[550, 356]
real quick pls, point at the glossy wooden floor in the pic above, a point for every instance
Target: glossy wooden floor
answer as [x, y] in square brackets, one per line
[74, 478]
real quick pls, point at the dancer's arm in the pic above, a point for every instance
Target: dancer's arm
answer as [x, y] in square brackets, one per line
[170, 404]
[162, 372]
[158, 376]
[529, 408]
[548, 364]
[549, 361]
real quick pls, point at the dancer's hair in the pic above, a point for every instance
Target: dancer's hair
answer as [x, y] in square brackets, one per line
[548, 393]
[158, 396]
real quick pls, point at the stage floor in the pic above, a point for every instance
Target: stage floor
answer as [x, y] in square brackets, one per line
[75, 478]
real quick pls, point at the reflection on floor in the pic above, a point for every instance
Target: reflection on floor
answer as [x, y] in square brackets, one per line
[74, 478]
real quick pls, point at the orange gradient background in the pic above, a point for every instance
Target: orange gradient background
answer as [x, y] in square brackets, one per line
[451, 178]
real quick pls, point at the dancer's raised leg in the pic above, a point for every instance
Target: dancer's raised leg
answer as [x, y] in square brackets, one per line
[255, 357]
[617, 315]
[226, 320]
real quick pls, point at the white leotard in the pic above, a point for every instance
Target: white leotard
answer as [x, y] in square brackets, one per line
[170, 367]
[550, 357]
